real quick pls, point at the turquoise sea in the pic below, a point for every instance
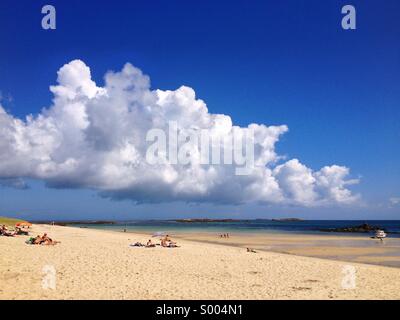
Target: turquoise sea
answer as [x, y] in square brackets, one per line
[244, 226]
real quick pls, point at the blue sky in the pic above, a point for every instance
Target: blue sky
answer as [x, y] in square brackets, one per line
[272, 62]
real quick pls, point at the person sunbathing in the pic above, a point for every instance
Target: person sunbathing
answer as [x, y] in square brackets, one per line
[4, 232]
[137, 244]
[168, 243]
[172, 245]
[37, 240]
[19, 231]
[48, 241]
[165, 241]
[150, 244]
[45, 240]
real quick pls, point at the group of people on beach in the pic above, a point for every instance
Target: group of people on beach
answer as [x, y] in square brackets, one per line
[224, 235]
[165, 242]
[11, 233]
[41, 240]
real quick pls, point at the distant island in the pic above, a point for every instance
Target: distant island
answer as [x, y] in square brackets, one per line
[288, 220]
[202, 220]
[209, 220]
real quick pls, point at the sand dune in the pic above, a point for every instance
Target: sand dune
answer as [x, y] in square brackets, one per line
[96, 264]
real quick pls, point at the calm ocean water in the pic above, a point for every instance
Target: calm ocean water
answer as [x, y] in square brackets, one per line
[250, 226]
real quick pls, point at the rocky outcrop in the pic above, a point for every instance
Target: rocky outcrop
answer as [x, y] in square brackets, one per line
[364, 228]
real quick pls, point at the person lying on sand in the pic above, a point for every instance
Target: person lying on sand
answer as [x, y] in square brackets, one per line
[43, 240]
[37, 240]
[137, 244]
[4, 232]
[251, 250]
[172, 244]
[150, 244]
[19, 231]
[47, 240]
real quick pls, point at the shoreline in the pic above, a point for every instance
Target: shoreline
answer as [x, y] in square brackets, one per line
[100, 264]
[339, 247]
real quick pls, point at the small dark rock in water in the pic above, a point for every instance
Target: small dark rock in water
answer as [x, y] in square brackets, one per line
[365, 227]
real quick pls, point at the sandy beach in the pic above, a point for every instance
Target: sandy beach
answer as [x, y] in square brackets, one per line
[97, 264]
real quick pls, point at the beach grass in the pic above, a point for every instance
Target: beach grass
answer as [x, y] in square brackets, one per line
[9, 221]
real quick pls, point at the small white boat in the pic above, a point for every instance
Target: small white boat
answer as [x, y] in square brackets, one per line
[380, 234]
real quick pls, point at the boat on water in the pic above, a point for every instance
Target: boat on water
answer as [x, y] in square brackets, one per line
[380, 234]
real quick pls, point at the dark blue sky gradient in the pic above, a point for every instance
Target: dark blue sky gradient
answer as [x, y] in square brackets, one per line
[272, 62]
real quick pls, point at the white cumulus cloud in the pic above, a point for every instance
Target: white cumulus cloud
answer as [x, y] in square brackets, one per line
[394, 201]
[95, 137]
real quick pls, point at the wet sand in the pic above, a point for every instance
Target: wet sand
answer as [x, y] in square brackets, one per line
[351, 248]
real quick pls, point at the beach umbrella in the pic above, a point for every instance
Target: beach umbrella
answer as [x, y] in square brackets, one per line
[23, 224]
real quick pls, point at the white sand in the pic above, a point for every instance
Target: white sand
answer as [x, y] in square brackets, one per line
[95, 264]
